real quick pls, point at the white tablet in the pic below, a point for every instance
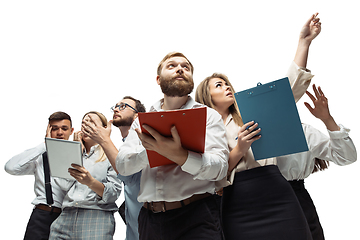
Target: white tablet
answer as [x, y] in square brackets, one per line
[61, 154]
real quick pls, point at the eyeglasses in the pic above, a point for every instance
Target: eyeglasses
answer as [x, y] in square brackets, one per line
[122, 106]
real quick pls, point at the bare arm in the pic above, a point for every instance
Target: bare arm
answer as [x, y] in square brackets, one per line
[308, 33]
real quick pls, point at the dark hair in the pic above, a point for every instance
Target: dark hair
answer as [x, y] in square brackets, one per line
[320, 165]
[138, 105]
[58, 116]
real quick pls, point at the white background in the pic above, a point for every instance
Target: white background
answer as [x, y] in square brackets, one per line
[77, 56]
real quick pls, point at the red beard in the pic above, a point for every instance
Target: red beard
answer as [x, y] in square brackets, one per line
[173, 87]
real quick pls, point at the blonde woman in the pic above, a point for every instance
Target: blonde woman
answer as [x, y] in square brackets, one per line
[258, 203]
[89, 205]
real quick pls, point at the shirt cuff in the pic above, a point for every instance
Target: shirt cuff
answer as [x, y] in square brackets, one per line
[342, 133]
[300, 79]
[193, 163]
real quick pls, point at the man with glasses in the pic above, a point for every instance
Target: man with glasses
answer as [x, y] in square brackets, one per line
[49, 195]
[124, 113]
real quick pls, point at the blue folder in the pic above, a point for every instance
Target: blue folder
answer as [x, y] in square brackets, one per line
[273, 107]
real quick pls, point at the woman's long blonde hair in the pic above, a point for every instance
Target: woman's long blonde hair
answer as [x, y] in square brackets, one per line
[104, 123]
[202, 95]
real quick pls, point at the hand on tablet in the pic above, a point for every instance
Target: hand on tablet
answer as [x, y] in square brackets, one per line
[81, 175]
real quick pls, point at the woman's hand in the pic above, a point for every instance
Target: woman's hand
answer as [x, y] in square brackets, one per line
[311, 29]
[81, 175]
[246, 136]
[321, 108]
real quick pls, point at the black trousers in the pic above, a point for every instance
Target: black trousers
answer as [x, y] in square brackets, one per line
[260, 205]
[198, 220]
[38, 227]
[309, 209]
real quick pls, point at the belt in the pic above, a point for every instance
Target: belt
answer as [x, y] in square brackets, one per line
[163, 206]
[47, 208]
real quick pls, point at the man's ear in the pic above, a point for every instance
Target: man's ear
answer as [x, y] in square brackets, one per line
[72, 130]
[158, 79]
[135, 116]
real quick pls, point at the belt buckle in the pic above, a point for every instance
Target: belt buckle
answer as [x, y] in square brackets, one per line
[163, 209]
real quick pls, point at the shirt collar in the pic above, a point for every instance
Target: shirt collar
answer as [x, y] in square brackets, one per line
[92, 150]
[228, 119]
[190, 103]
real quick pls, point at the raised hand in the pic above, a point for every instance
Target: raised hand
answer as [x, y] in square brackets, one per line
[321, 108]
[78, 138]
[48, 131]
[311, 29]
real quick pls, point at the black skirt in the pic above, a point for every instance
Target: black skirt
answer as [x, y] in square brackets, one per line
[261, 205]
[309, 209]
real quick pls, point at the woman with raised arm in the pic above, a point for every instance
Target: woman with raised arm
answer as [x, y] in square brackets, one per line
[258, 203]
[337, 148]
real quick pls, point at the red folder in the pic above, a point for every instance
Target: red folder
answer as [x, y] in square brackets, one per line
[190, 124]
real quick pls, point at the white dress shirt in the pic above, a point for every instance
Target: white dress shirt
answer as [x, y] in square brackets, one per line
[30, 162]
[338, 148]
[81, 196]
[173, 182]
[300, 79]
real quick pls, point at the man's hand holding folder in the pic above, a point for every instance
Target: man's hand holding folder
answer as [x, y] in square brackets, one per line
[169, 147]
[167, 136]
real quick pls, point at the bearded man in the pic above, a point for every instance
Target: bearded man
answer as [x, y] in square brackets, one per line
[178, 198]
[125, 113]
